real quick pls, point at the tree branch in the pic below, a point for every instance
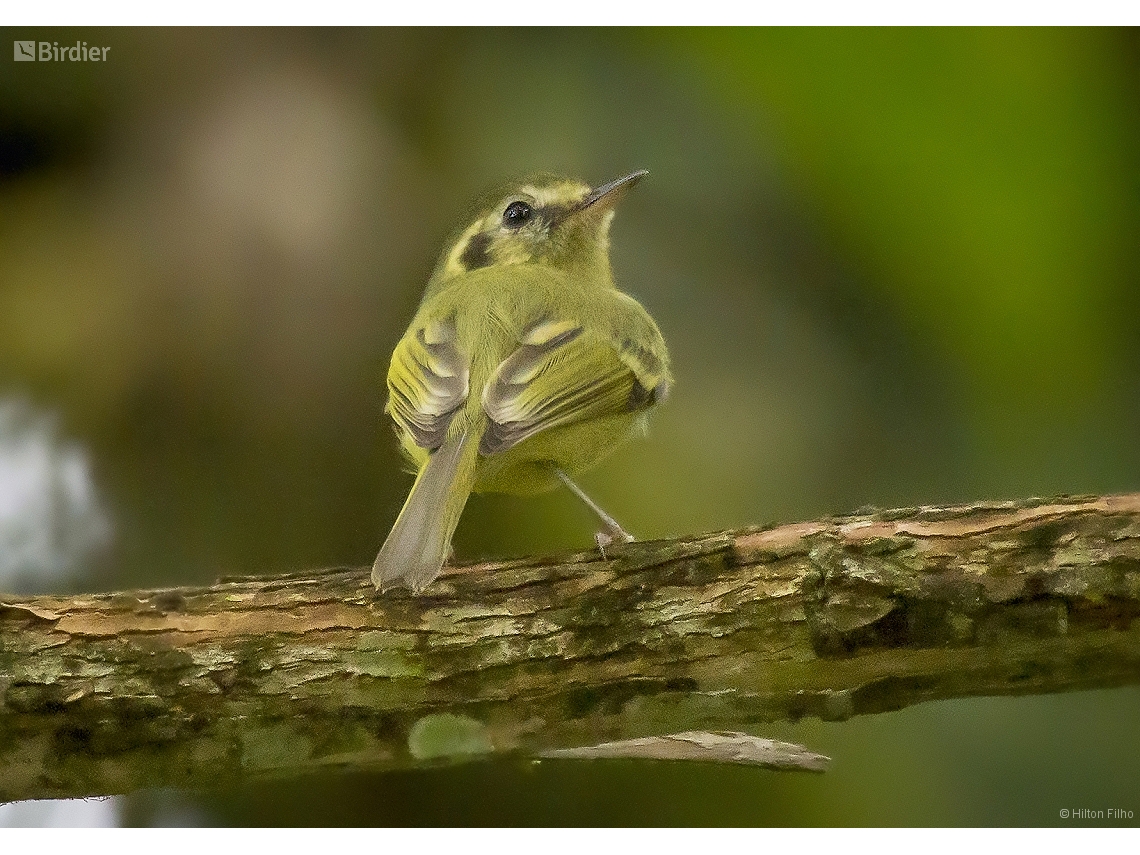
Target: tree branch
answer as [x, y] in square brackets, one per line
[108, 693]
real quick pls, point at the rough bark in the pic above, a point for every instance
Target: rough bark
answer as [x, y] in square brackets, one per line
[851, 615]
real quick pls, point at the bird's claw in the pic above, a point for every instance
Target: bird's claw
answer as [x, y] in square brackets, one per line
[605, 538]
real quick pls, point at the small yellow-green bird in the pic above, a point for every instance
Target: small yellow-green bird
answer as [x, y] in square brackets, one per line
[523, 366]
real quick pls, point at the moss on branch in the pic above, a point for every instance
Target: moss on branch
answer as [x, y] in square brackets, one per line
[845, 616]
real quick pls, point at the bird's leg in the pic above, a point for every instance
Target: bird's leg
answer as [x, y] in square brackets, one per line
[611, 531]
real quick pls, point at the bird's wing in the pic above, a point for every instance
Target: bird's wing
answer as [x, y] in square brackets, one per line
[427, 382]
[561, 373]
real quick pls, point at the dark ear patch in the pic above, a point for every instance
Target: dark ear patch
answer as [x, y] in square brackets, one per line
[476, 254]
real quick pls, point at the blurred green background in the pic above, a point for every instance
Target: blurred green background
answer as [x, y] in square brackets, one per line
[894, 267]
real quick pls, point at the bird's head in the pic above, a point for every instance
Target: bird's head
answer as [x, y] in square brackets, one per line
[547, 219]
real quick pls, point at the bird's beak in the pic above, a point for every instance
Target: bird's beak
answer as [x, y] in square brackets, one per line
[608, 195]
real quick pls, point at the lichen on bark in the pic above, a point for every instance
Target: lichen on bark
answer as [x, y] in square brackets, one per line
[838, 617]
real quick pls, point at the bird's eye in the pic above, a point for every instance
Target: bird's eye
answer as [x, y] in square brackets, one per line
[516, 215]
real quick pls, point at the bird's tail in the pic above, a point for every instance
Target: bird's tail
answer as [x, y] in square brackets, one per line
[419, 542]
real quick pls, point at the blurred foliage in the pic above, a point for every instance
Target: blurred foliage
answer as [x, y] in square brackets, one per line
[893, 267]
[986, 182]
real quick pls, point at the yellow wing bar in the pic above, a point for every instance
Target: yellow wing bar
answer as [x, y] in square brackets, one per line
[427, 383]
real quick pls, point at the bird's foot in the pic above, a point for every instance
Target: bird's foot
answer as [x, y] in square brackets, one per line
[617, 534]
